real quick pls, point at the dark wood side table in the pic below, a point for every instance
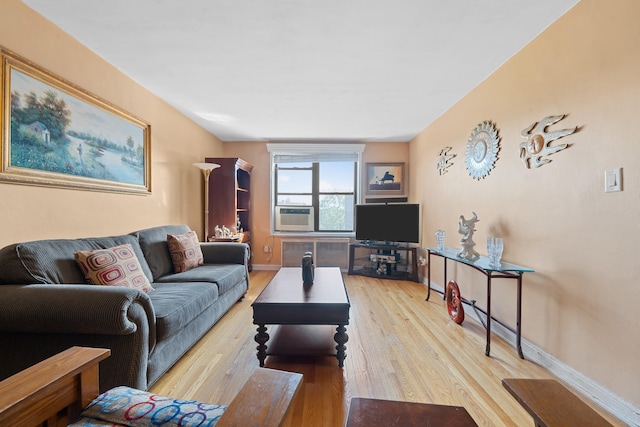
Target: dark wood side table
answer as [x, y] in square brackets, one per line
[390, 413]
[287, 302]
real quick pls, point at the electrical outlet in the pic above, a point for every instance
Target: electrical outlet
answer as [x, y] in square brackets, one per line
[266, 249]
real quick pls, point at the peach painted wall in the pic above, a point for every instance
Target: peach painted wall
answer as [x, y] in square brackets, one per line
[256, 153]
[581, 304]
[30, 213]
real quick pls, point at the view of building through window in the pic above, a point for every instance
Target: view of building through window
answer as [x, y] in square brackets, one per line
[328, 186]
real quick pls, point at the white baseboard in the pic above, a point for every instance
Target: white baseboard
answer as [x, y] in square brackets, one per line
[270, 267]
[601, 396]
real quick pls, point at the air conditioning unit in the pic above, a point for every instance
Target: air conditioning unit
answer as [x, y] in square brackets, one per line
[294, 218]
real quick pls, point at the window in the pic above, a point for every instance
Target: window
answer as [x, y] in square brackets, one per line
[317, 176]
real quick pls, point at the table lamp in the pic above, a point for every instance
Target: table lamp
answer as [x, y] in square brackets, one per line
[206, 168]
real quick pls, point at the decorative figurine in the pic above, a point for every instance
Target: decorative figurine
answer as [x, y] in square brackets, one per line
[467, 227]
[307, 268]
[222, 233]
[538, 141]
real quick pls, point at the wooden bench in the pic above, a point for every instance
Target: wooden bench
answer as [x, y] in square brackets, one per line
[53, 392]
[551, 404]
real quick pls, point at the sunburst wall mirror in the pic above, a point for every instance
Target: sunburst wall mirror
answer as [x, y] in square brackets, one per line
[482, 150]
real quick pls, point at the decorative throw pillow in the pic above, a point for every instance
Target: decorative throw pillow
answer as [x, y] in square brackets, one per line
[136, 408]
[117, 266]
[185, 251]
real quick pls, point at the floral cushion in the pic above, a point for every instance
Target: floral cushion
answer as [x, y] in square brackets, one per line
[185, 251]
[116, 266]
[136, 408]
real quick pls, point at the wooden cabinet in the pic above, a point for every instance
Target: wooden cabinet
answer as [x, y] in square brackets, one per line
[383, 261]
[229, 197]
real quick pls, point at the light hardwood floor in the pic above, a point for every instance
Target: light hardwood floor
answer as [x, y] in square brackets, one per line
[400, 347]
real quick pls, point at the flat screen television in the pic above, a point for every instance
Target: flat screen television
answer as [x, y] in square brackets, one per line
[392, 223]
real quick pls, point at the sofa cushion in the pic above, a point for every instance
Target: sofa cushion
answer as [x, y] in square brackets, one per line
[185, 251]
[153, 242]
[117, 266]
[53, 261]
[177, 304]
[226, 276]
[136, 408]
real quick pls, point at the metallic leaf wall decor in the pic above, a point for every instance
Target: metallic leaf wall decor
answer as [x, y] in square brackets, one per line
[482, 150]
[538, 140]
[444, 160]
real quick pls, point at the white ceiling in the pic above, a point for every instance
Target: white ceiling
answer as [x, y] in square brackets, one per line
[306, 70]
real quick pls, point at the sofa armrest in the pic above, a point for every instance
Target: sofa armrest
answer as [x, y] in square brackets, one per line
[69, 309]
[225, 252]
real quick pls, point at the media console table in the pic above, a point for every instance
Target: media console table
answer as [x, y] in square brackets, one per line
[384, 261]
[504, 271]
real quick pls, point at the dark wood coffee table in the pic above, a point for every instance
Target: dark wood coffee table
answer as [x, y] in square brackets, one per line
[390, 413]
[286, 301]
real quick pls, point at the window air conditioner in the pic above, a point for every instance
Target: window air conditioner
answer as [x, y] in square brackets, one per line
[294, 218]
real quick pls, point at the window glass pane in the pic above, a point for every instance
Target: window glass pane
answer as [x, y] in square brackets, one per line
[293, 199]
[294, 181]
[336, 177]
[336, 212]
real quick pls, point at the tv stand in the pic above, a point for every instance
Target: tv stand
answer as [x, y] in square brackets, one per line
[379, 243]
[383, 260]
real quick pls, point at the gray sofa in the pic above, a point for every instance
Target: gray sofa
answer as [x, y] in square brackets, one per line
[46, 305]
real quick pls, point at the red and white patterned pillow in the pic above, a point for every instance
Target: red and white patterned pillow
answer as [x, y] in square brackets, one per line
[117, 266]
[185, 251]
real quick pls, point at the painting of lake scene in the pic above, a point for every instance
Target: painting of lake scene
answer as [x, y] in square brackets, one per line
[59, 135]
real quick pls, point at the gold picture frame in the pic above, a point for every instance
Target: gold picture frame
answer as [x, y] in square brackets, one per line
[385, 179]
[56, 134]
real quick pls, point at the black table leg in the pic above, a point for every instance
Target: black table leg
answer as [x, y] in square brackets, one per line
[488, 349]
[261, 338]
[428, 274]
[444, 294]
[518, 318]
[341, 339]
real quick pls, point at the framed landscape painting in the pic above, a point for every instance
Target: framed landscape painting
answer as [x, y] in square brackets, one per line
[385, 178]
[57, 134]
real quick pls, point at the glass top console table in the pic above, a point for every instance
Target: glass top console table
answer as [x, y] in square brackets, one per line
[504, 271]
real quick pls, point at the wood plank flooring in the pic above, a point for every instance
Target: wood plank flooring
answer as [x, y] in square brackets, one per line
[400, 347]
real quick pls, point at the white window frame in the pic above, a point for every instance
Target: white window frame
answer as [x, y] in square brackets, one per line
[309, 152]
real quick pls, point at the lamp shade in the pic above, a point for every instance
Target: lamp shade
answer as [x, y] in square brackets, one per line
[207, 166]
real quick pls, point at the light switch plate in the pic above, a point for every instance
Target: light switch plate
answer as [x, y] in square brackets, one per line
[612, 180]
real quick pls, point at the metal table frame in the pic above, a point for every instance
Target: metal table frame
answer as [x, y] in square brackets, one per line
[504, 271]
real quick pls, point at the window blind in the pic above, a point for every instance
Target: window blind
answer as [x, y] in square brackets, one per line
[297, 153]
